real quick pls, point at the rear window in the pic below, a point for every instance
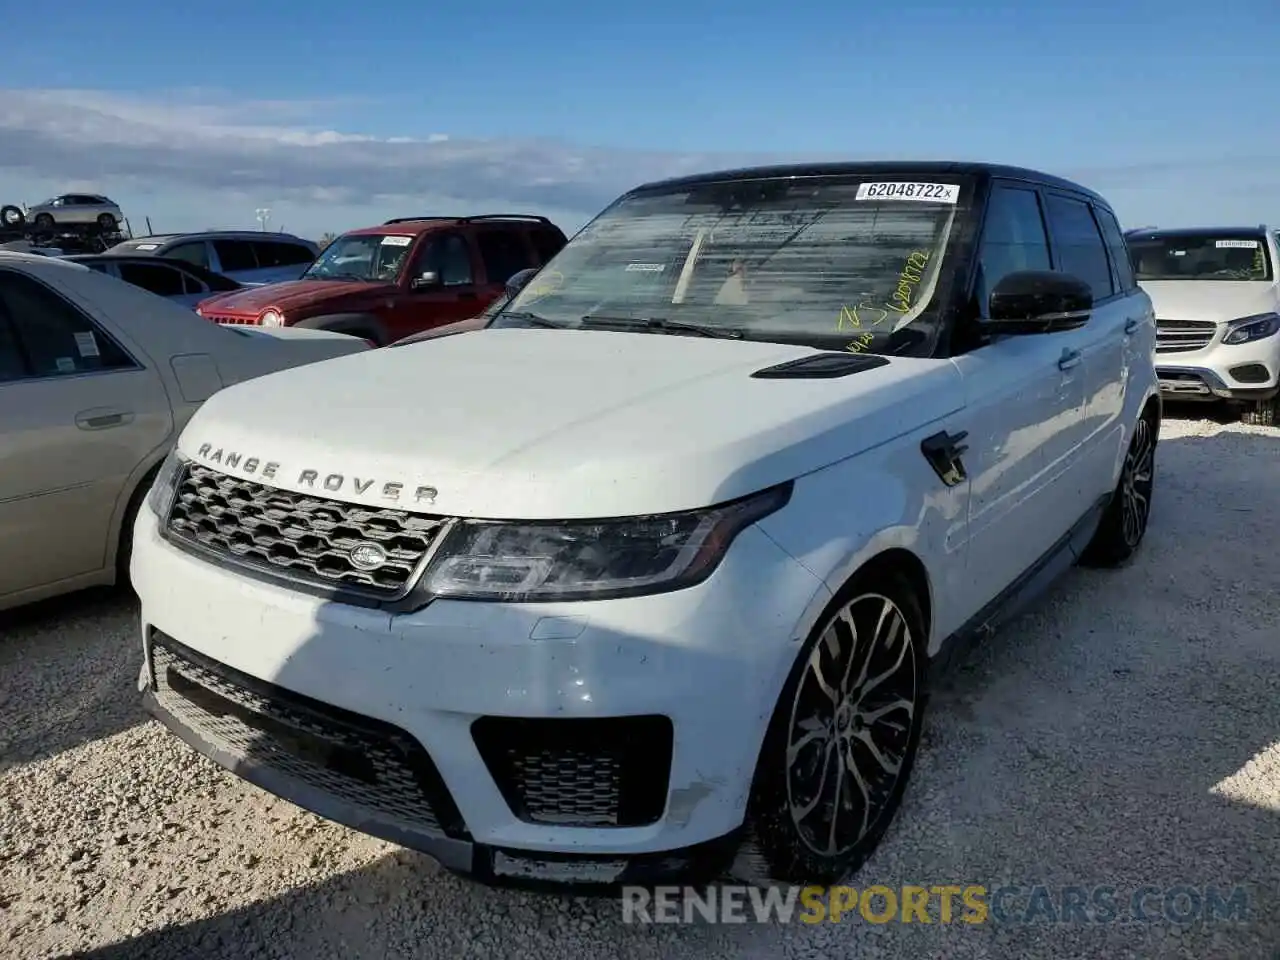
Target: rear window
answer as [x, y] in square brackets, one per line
[157, 278]
[235, 255]
[1200, 256]
[277, 253]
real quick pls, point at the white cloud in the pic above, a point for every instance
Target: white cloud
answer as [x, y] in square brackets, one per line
[208, 155]
[264, 148]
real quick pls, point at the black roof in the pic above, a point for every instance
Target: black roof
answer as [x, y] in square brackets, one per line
[915, 168]
[1257, 230]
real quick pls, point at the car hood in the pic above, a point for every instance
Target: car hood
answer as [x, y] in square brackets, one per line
[287, 295]
[1216, 300]
[546, 424]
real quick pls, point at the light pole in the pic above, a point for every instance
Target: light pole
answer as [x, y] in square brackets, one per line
[263, 214]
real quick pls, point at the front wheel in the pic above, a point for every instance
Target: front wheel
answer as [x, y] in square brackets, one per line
[1124, 522]
[843, 738]
[43, 222]
[1264, 413]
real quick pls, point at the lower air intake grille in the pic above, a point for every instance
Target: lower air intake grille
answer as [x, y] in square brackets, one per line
[609, 772]
[374, 766]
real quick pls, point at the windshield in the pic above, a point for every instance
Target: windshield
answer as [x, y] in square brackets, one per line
[374, 256]
[833, 262]
[1209, 256]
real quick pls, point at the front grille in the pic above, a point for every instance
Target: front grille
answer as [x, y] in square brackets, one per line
[298, 536]
[368, 764]
[1183, 336]
[609, 772]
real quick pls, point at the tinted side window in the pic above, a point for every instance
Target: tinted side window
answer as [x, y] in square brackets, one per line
[1116, 246]
[503, 253]
[1079, 244]
[274, 253]
[235, 255]
[450, 257]
[161, 280]
[547, 243]
[57, 337]
[194, 252]
[192, 284]
[13, 364]
[1013, 239]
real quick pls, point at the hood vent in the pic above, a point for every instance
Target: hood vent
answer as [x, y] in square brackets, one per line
[822, 366]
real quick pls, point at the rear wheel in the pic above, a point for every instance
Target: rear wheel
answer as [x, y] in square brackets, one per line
[107, 222]
[1124, 523]
[843, 738]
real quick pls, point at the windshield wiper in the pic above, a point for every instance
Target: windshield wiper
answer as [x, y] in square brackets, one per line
[662, 325]
[532, 319]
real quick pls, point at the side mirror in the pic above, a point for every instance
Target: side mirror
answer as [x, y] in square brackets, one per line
[518, 281]
[1038, 301]
[426, 280]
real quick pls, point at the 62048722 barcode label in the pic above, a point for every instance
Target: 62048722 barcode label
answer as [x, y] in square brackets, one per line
[926, 192]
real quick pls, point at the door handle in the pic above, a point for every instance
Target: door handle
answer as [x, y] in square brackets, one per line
[103, 419]
[1131, 326]
[1069, 359]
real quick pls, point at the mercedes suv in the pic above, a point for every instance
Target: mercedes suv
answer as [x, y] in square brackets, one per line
[1217, 298]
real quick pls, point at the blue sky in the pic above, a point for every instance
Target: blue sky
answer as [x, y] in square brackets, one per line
[335, 115]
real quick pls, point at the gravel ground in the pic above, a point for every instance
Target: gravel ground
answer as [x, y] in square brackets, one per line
[1127, 733]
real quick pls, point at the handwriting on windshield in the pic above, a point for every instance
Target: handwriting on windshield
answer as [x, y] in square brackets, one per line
[865, 317]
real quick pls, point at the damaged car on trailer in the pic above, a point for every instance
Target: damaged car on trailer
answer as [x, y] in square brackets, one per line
[651, 574]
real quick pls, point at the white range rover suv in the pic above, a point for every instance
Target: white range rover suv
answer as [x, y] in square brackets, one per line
[650, 575]
[1216, 293]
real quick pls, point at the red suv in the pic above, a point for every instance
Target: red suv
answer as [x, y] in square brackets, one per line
[407, 275]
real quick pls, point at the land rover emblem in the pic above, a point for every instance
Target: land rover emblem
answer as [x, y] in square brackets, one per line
[367, 556]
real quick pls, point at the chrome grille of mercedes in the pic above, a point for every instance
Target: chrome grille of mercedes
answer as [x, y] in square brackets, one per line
[299, 537]
[1183, 336]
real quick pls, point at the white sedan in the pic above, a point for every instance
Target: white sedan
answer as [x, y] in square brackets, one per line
[97, 379]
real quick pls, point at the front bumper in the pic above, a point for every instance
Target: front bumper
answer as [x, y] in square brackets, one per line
[1218, 371]
[602, 742]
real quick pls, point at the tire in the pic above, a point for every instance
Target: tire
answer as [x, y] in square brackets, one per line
[124, 545]
[1124, 522]
[1264, 413]
[887, 675]
[43, 221]
[12, 217]
[106, 222]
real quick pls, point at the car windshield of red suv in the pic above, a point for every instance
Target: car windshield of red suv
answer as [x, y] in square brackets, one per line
[369, 257]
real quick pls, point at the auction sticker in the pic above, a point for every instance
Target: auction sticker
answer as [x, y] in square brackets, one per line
[87, 344]
[1237, 244]
[395, 241]
[923, 192]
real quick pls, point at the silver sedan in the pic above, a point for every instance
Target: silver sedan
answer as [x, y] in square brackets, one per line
[76, 209]
[97, 379]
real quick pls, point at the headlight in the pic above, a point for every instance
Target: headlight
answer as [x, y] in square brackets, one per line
[271, 318]
[160, 498]
[592, 559]
[1248, 329]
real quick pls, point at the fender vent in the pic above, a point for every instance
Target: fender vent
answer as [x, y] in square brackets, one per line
[822, 366]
